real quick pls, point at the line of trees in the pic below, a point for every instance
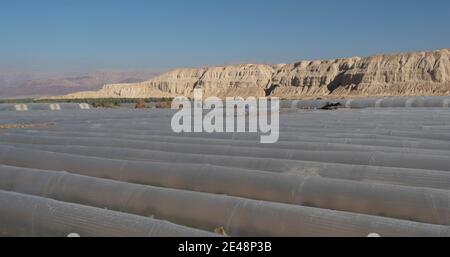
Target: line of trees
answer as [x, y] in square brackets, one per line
[96, 103]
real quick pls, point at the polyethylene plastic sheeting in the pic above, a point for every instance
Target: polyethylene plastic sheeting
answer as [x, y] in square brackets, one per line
[237, 215]
[296, 135]
[392, 102]
[387, 175]
[346, 160]
[424, 205]
[273, 149]
[25, 215]
[320, 142]
[44, 106]
[401, 160]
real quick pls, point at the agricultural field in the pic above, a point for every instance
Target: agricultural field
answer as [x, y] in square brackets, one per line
[123, 172]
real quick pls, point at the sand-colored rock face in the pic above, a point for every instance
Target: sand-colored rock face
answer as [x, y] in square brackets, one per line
[418, 73]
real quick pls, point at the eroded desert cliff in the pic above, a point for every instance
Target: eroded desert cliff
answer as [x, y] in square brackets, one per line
[417, 73]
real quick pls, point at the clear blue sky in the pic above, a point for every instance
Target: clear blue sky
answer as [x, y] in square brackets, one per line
[129, 34]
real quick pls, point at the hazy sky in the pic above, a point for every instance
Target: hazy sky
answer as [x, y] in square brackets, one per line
[82, 35]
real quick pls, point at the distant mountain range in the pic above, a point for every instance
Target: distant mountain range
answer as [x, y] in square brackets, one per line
[403, 74]
[31, 84]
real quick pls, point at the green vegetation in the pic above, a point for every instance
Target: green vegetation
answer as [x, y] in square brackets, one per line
[96, 103]
[16, 101]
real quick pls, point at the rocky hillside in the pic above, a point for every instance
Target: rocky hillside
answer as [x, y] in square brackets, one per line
[417, 73]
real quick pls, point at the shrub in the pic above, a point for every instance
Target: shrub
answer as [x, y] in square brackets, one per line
[140, 104]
